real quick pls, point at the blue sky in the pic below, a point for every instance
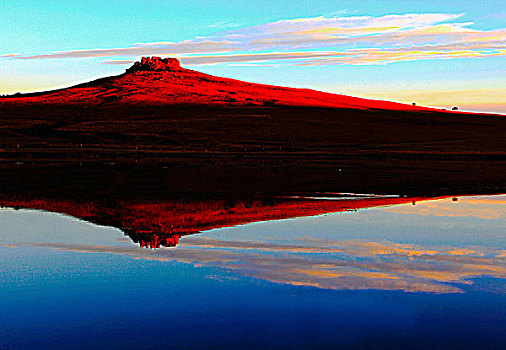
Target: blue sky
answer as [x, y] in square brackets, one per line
[439, 53]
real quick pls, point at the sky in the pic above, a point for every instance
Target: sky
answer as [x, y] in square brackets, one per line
[435, 53]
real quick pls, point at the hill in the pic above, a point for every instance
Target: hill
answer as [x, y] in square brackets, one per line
[157, 81]
[190, 132]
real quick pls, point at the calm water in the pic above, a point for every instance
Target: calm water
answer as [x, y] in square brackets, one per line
[430, 275]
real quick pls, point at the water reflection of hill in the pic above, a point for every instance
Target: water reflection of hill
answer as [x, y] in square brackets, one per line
[155, 224]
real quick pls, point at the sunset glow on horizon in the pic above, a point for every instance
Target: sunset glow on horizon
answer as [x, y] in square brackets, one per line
[439, 54]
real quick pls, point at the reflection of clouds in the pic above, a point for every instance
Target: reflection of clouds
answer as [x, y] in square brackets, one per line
[491, 208]
[331, 264]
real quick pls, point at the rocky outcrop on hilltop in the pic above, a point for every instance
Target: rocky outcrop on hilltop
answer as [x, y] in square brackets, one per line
[155, 64]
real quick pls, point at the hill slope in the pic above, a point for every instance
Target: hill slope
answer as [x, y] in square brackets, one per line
[159, 81]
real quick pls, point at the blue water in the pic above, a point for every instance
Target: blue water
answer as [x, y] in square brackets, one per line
[415, 277]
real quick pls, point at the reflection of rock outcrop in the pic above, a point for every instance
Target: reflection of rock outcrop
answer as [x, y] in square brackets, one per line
[152, 240]
[161, 223]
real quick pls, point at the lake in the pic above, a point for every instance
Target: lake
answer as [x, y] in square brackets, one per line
[300, 273]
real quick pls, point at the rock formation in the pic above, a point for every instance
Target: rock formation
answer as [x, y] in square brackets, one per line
[155, 64]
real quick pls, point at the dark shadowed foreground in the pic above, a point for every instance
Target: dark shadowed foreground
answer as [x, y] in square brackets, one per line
[251, 149]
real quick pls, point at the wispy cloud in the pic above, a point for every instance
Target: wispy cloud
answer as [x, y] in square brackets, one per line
[322, 41]
[9, 55]
[160, 48]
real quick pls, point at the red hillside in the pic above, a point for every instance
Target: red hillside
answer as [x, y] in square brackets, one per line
[158, 81]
